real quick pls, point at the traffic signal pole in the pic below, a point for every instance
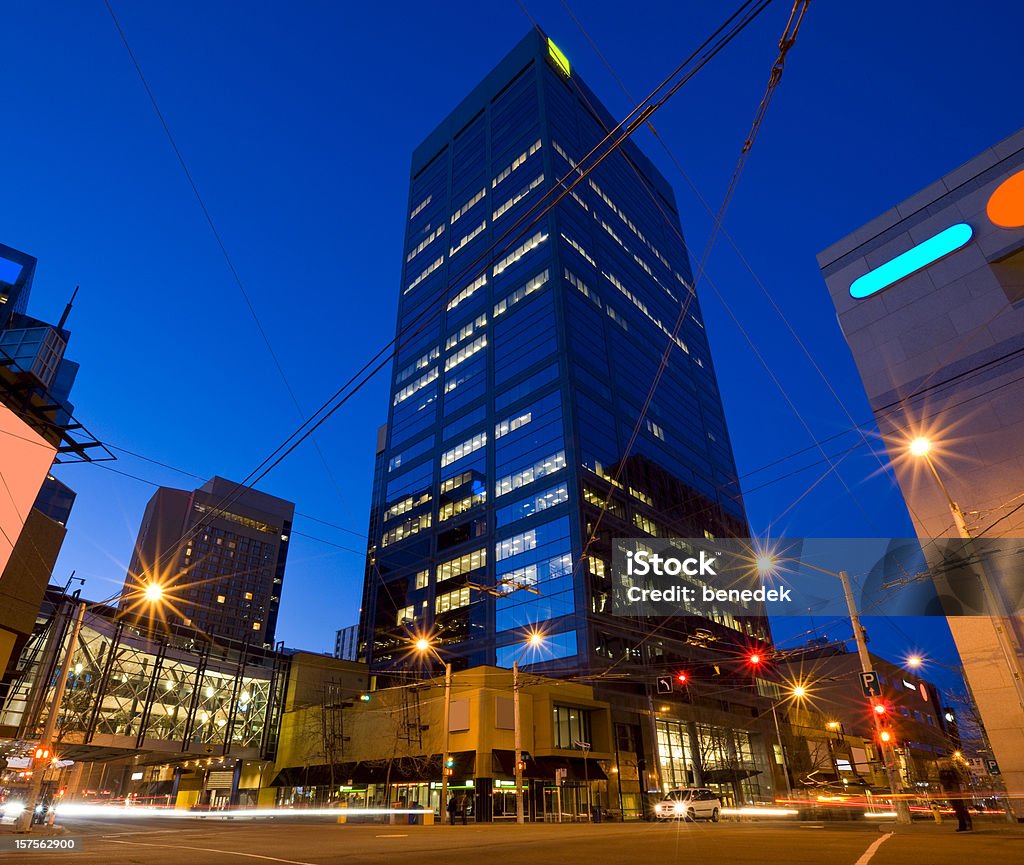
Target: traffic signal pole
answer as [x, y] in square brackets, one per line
[887, 750]
[24, 821]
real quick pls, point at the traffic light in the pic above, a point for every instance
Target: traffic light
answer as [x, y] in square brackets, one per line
[450, 763]
[682, 678]
[365, 698]
[42, 753]
[448, 771]
[885, 736]
[521, 765]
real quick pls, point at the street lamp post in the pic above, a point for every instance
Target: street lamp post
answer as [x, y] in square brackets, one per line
[782, 752]
[1005, 634]
[535, 640]
[888, 751]
[423, 645]
[153, 593]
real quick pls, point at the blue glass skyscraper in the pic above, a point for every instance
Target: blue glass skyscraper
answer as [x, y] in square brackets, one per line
[523, 363]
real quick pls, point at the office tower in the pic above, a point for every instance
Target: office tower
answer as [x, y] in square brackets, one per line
[519, 378]
[930, 297]
[219, 552]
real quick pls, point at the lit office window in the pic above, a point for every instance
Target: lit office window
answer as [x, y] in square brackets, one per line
[514, 256]
[434, 266]
[423, 244]
[516, 163]
[512, 424]
[464, 449]
[465, 332]
[582, 288]
[462, 211]
[545, 466]
[418, 209]
[522, 292]
[420, 363]
[578, 248]
[466, 352]
[655, 430]
[467, 238]
[502, 209]
[420, 383]
[463, 564]
[467, 292]
[452, 600]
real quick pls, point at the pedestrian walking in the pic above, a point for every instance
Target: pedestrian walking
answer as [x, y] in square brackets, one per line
[453, 808]
[949, 779]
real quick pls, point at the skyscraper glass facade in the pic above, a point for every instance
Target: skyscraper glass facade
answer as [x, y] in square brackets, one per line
[525, 355]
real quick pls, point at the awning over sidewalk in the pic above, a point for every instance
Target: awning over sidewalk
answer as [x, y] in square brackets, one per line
[544, 768]
[401, 770]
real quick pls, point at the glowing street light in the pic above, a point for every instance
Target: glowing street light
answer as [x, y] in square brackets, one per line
[153, 592]
[920, 446]
[534, 641]
[902, 809]
[423, 646]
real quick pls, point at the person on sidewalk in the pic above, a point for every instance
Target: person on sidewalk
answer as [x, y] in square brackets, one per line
[453, 809]
[949, 778]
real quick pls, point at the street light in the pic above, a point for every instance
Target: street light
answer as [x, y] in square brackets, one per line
[24, 822]
[423, 645]
[768, 564]
[798, 692]
[533, 642]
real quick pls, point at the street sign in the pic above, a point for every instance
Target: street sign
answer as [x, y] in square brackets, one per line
[993, 767]
[664, 684]
[869, 684]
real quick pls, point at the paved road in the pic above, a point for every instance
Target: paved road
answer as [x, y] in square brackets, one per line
[303, 842]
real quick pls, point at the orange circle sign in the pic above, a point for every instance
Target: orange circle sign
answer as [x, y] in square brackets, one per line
[1006, 205]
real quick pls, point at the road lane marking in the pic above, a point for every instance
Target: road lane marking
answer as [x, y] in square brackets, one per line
[390, 836]
[208, 850]
[866, 857]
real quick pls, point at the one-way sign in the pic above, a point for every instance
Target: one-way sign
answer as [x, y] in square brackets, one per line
[664, 684]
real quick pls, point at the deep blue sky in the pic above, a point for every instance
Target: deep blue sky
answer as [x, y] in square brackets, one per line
[298, 120]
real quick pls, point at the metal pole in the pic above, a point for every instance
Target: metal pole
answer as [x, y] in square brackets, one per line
[520, 818]
[24, 823]
[888, 753]
[447, 725]
[782, 751]
[654, 746]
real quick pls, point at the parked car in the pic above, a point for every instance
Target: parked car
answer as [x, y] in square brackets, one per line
[691, 803]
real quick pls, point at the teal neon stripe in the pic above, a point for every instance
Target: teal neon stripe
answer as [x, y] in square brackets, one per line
[925, 253]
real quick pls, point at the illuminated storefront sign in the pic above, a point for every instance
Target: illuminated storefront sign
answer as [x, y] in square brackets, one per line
[914, 259]
[1005, 209]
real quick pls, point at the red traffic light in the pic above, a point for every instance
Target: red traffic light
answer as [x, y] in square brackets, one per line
[682, 678]
[755, 658]
[880, 709]
[885, 736]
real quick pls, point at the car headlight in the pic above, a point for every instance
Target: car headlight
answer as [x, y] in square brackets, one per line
[680, 807]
